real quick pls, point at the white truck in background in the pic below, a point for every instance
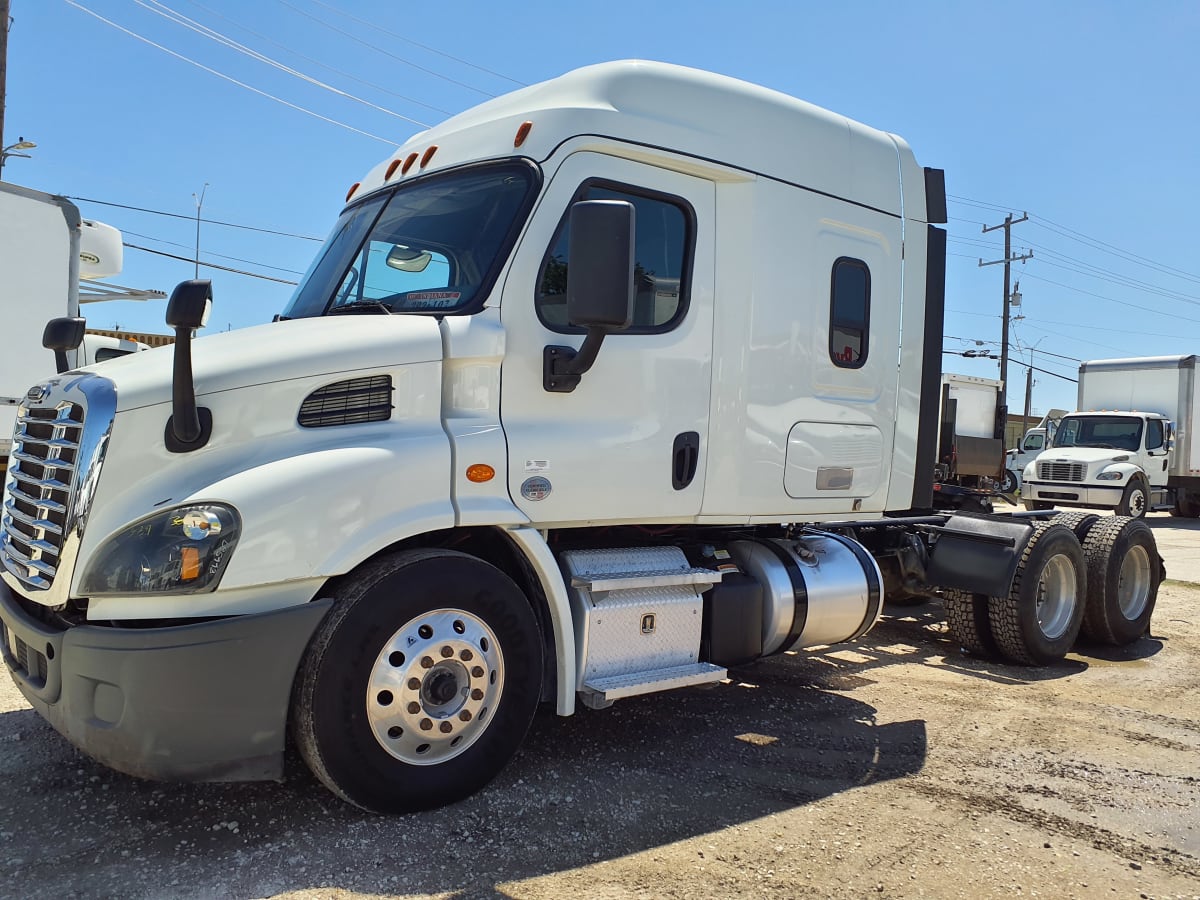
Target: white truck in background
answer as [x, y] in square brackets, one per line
[1131, 444]
[596, 390]
[46, 250]
[1033, 442]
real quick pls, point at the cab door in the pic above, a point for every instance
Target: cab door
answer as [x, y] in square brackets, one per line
[629, 443]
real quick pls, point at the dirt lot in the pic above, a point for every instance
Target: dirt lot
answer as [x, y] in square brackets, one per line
[896, 767]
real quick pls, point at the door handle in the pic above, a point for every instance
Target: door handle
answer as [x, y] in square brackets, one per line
[684, 459]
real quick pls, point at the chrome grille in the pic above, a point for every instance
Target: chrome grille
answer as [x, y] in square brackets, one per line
[1061, 471]
[41, 474]
[53, 471]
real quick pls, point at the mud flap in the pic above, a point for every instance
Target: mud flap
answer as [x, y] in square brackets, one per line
[976, 554]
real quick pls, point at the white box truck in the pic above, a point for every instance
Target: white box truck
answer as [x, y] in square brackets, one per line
[594, 391]
[46, 249]
[1130, 446]
[970, 443]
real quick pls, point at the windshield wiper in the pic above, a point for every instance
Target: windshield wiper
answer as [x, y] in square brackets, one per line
[359, 306]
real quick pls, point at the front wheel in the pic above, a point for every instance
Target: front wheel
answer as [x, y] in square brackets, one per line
[1135, 500]
[1039, 619]
[420, 684]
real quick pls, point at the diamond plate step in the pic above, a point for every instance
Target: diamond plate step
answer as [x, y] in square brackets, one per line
[620, 581]
[604, 691]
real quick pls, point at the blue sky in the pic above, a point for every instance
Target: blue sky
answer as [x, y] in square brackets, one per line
[1085, 115]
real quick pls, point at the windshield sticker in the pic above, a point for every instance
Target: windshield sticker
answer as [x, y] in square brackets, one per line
[432, 299]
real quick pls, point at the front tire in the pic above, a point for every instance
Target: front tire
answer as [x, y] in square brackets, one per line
[1123, 579]
[1135, 500]
[1039, 619]
[420, 684]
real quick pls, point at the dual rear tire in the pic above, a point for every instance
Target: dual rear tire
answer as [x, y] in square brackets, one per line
[1078, 573]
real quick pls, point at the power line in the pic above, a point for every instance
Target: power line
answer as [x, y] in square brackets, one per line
[385, 52]
[159, 212]
[188, 259]
[1141, 309]
[171, 15]
[252, 262]
[317, 62]
[375, 26]
[229, 78]
[1096, 243]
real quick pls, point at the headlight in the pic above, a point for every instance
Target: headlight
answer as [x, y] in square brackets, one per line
[177, 551]
[1110, 476]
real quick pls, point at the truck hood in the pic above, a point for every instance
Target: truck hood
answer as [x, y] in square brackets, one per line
[275, 352]
[1083, 454]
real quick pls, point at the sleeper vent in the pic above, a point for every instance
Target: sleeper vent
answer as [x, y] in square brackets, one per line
[348, 403]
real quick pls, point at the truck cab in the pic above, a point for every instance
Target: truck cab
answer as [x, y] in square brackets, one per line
[1111, 460]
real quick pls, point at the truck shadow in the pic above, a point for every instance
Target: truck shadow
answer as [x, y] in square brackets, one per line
[648, 772]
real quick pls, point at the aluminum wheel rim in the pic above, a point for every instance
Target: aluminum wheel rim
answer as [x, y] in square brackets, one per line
[1056, 597]
[1133, 583]
[434, 687]
[1137, 502]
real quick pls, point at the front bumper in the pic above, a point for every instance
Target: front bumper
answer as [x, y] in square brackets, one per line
[1073, 493]
[199, 702]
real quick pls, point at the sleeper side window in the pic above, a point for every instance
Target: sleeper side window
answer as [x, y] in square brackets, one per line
[849, 313]
[663, 240]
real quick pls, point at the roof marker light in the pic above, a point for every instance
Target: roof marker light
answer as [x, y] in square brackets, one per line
[391, 169]
[408, 163]
[522, 133]
[353, 188]
[428, 155]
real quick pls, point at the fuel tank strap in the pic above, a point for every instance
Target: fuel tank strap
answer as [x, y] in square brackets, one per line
[799, 589]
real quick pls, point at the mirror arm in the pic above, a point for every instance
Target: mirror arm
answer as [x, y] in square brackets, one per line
[563, 367]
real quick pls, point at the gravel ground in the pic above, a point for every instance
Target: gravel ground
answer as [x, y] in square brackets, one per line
[896, 766]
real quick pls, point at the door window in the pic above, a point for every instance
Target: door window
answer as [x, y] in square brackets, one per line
[663, 235]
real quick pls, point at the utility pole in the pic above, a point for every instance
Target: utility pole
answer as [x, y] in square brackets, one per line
[1007, 225]
[4, 9]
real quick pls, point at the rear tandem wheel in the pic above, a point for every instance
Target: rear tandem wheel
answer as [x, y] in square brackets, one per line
[1039, 619]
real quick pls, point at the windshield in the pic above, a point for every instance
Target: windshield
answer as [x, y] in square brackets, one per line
[1109, 432]
[431, 246]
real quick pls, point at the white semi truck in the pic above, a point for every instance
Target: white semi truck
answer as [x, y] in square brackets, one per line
[46, 250]
[1131, 444]
[595, 390]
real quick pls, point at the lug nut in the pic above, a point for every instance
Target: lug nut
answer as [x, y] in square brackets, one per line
[465, 715]
[445, 728]
[477, 694]
[414, 707]
[447, 652]
[426, 662]
[414, 684]
[426, 725]
[466, 655]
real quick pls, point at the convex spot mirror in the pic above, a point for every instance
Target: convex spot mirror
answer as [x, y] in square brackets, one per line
[190, 304]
